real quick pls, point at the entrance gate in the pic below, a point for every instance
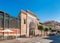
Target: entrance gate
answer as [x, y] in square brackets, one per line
[31, 29]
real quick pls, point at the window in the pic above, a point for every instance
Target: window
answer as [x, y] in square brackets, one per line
[24, 21]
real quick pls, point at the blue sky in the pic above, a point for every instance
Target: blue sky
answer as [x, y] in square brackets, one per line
[44, 9]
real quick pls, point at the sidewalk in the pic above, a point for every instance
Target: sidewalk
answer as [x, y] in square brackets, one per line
[27, 40]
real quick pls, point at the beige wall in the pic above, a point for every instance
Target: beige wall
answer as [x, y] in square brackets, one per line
[23, 26]
[36, 30]
[32, 18]
[29, 17]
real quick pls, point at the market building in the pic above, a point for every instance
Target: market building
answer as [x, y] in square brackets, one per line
[25, 24]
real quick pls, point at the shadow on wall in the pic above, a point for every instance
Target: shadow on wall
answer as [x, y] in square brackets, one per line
[55, 38]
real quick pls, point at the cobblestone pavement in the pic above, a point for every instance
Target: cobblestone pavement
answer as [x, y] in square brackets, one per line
[50, 39]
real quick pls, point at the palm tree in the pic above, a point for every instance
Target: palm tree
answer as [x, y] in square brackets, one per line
[40, 27]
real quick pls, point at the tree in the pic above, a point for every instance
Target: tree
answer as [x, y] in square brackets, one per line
[46, 30]
[40, 27]
[58, 31]
[50, 28]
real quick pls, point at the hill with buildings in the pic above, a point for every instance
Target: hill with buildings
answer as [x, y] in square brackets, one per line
[53, 24]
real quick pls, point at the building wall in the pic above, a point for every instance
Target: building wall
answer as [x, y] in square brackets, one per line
[23, 23]
[32, 18]
[8, 22]
[20, 27]
[28, 17]
[37, 24]
[1, 20]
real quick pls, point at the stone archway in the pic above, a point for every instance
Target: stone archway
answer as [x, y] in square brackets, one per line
[32, 29]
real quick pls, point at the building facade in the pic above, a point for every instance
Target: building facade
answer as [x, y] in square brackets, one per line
[53, 24]
[8, 22]
[29, 23]
[25, 24]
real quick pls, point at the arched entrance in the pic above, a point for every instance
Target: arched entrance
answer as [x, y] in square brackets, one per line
[32, 29]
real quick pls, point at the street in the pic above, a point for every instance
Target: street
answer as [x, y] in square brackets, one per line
[50, 39]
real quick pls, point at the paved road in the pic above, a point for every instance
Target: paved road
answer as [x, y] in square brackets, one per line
[50, 39]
